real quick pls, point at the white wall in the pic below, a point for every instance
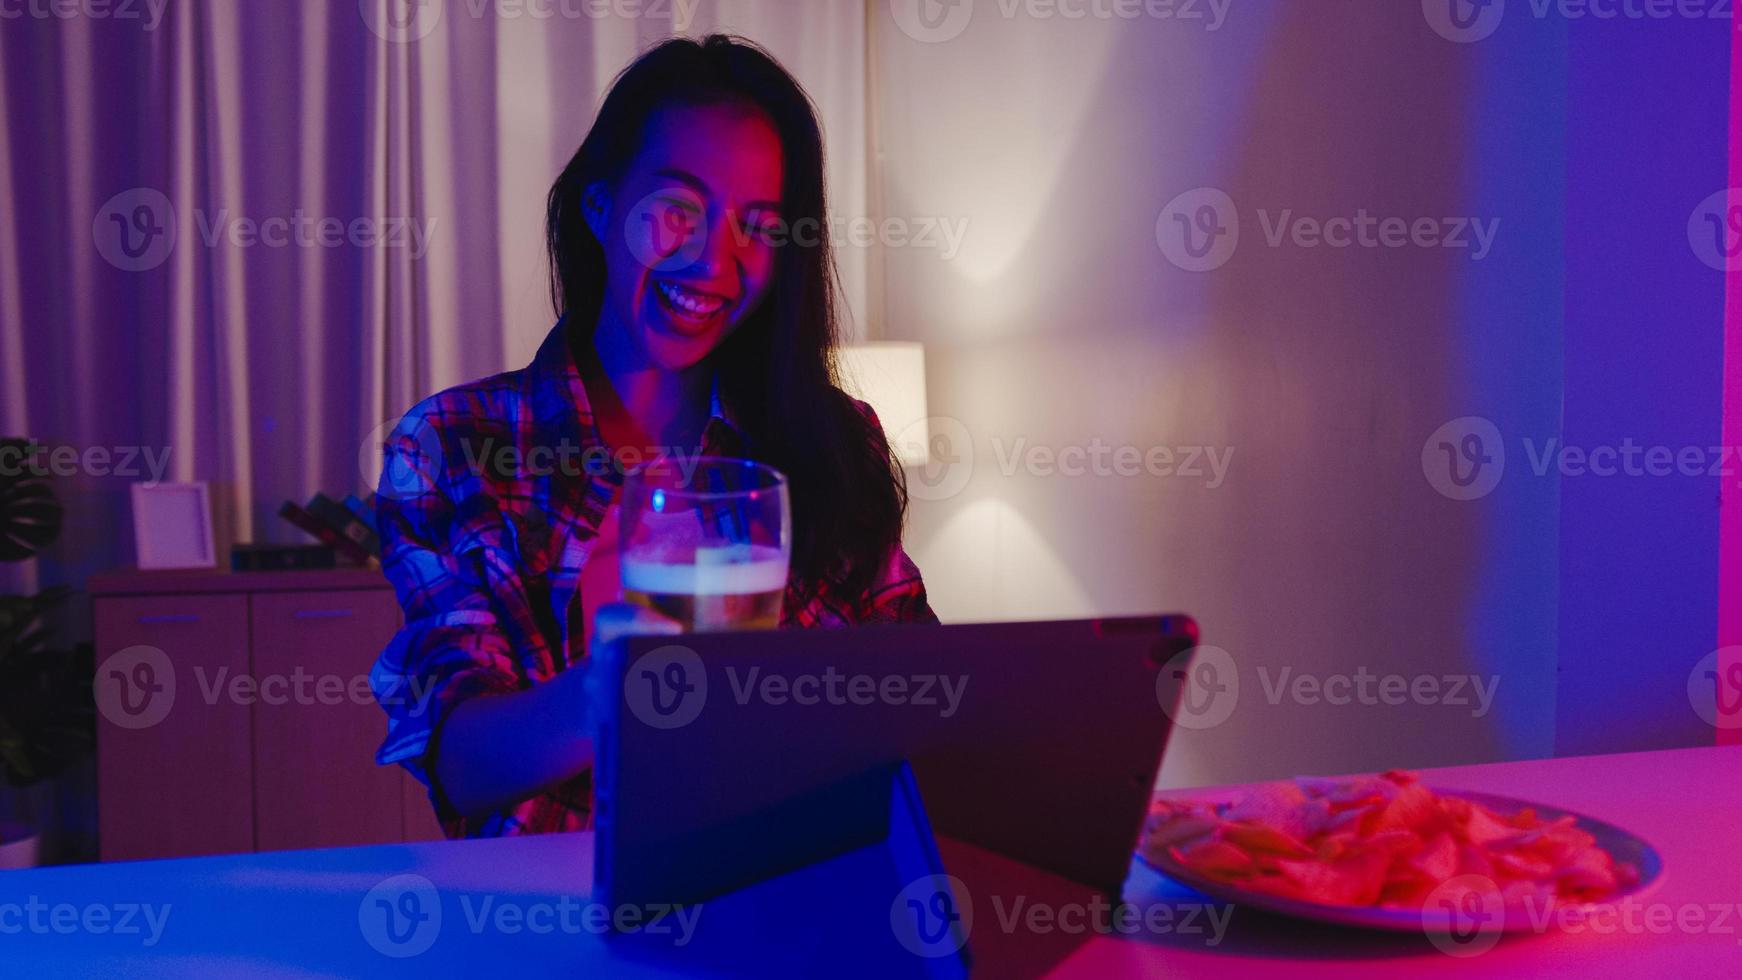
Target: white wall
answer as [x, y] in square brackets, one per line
[1322, 371]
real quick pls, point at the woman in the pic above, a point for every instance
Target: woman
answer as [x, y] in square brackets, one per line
[688, 320]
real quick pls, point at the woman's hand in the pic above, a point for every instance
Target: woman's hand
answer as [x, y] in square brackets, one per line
[613, 623]
[499, 750]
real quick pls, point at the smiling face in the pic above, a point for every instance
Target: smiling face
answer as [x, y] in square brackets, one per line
[687, 232]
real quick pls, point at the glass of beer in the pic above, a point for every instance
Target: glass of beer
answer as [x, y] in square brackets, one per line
[707, 541]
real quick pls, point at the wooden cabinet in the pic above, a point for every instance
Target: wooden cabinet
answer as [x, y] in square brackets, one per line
[235, 714]
[175, 773]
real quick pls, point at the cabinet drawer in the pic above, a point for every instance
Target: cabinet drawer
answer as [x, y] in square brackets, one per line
[173, 748]
[316, 727]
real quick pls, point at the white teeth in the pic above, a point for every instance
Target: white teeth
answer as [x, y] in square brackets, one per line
[690, 302]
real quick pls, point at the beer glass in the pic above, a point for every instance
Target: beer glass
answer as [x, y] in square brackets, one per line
[707, 542]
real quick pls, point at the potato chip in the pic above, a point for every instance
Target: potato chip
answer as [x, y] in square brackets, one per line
[1384, 839]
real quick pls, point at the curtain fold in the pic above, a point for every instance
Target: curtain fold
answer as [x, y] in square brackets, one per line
[356, 210]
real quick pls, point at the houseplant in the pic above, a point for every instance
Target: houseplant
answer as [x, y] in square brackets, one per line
[46, 716]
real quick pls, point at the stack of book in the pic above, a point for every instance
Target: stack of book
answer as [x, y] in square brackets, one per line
[346, 532]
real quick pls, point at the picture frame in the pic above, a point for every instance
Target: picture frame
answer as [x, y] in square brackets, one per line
[172, 526]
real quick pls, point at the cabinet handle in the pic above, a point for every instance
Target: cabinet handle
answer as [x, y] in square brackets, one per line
[170, 618]
[324, 613]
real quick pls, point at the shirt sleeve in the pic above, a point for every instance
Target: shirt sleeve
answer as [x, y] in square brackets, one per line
[898, 595]
[453, 645]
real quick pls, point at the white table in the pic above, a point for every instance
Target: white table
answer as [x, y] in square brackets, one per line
[317, 914]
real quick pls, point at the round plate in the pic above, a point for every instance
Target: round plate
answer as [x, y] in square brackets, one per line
[1620, 844]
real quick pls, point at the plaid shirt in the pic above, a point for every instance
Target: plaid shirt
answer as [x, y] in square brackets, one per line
[491, 500]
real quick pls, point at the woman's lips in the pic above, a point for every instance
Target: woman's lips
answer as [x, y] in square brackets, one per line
[690, 311]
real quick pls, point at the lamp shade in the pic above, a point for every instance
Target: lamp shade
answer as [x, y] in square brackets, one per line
[890, 377]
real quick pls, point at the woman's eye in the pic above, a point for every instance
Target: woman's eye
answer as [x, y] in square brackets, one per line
[677, 208]
[766, 228]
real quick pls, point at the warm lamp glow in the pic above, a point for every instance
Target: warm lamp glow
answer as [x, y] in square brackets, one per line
[890, 377]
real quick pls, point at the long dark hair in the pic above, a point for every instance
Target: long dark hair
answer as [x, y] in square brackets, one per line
[776, 371]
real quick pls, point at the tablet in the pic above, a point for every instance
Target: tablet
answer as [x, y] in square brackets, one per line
[727, 759]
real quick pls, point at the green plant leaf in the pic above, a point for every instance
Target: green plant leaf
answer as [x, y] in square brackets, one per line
[30, 516]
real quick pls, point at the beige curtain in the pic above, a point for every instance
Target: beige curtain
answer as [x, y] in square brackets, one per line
[423, 137]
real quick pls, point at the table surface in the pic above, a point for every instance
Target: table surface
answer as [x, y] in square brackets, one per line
[519, 906]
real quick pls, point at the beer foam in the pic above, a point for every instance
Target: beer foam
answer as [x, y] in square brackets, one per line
[758, 569]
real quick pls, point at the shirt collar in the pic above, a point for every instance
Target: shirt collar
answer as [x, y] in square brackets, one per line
[560, 402]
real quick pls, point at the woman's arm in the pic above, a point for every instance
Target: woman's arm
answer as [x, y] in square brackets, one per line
[493, 751]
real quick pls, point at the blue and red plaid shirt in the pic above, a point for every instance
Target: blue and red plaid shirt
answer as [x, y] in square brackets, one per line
[491, 500]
